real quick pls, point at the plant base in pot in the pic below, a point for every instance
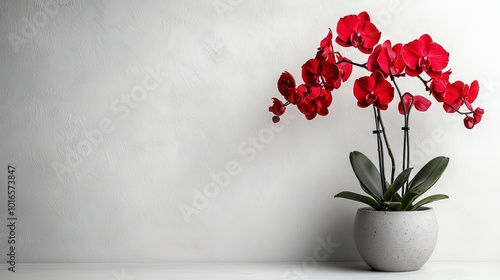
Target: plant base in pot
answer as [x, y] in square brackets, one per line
[395, 233]
[395, 240]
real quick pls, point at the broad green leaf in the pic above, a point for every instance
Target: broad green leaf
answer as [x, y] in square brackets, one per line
[428, 199]
[360, 198]
[398, 183]
[397, 197]
[367, 174]
[424, 180]
[395, 206]
[408, 199]
[428, 175]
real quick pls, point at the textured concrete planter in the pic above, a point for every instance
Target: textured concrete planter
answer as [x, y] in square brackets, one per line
[395, 241]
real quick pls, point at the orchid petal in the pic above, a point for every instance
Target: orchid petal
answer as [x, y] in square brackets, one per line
[421, 103]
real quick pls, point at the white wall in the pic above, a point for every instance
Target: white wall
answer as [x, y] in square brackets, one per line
[121, 201]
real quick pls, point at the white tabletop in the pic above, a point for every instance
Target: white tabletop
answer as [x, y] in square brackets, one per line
[246, 270]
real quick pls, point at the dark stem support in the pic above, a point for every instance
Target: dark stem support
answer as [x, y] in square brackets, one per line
[380, 149]
[406, 135]
[457, 111]
[427, 88]
[353, 63]
[389, 150]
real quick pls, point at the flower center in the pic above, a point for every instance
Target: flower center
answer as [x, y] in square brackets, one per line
[371, 97]
[424, 63]
[356, 39]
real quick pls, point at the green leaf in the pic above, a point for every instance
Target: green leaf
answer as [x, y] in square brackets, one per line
[408, 199]
[398, 183]
[424, 180]
[395, 206]
[397, 197]
[428, 175]
[360, 198]
[428, 199]
[367, 174]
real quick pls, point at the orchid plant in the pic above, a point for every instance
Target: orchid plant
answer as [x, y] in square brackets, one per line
[423, 59]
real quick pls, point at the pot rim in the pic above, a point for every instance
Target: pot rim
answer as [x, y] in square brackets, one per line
[370, 209]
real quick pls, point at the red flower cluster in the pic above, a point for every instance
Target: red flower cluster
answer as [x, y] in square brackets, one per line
[321, 75]
[329, 69]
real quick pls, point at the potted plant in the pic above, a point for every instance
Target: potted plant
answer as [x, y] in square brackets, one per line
[395, 232]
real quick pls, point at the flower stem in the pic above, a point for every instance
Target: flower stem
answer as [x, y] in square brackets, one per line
[389, 150]
[406, 128]
[380, 149]
[406, 145]
[353, 63]
[427, 88]
[457, 111]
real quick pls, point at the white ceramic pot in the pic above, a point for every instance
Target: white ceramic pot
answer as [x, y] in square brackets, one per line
[395, 240]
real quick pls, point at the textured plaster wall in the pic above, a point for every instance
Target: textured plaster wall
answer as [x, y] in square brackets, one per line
[117, 114]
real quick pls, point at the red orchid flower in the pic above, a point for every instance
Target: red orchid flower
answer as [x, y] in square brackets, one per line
[286, 86]
[357, 31]
[387, 59]
[438, 85]
[285, 82]
[478, 115]
[375, 90]
[424, 55]
[345, 70]
[419, 102]
[470, 122]
[320, 73]
[278, 108]
[458, 94]
[316, 101]
[326, 46]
